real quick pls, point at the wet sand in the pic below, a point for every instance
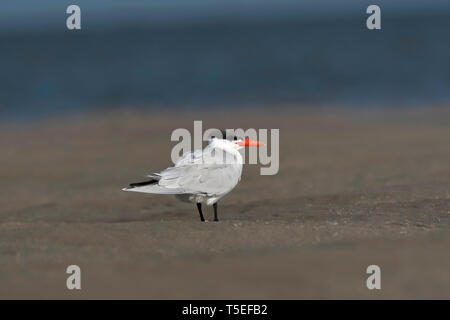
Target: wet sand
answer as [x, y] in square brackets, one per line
[354, 189]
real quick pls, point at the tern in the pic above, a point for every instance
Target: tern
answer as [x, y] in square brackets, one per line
[202, 176]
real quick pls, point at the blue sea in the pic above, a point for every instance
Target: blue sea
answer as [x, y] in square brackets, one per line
[227, 63]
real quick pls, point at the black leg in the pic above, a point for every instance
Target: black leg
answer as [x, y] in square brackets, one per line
[215, 212]
[199, 207]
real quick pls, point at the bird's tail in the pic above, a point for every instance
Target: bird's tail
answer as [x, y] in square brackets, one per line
[152, 186]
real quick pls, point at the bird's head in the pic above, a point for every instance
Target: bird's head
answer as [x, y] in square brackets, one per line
[234, 141]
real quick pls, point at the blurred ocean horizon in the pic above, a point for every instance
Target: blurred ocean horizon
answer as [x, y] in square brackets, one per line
[227, 62]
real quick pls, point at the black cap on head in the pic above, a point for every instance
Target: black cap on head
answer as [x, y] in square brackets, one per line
[222, 134]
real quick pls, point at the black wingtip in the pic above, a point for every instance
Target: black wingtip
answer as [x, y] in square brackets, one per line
[143, 183]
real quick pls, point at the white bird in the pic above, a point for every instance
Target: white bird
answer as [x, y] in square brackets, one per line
[202, 176]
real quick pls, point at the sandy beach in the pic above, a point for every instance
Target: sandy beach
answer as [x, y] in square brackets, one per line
[354, 188]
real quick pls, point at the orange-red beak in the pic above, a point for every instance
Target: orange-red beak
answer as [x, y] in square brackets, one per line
[248, 143]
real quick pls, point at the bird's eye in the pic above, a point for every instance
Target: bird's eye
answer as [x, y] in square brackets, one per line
[235, 138]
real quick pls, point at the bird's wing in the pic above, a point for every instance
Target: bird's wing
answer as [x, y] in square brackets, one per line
[207, 178]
